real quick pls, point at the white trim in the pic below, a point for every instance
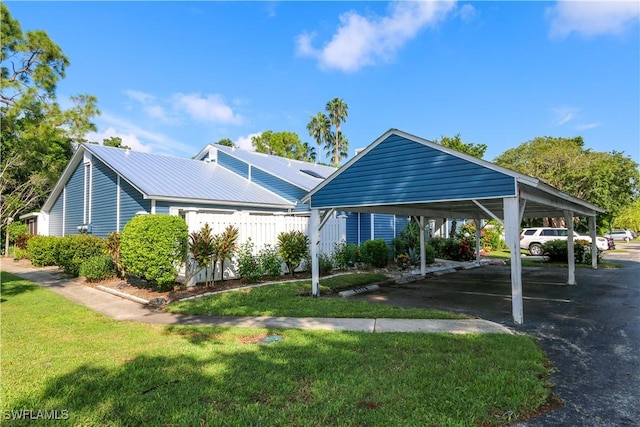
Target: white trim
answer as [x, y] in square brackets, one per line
[64, 208]
[89, 207]
[153, 206]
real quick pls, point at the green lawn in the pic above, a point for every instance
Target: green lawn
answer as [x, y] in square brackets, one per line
[293, 299]
[506, 255]
[58, 356]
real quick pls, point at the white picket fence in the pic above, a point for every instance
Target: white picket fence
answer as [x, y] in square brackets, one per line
[263, 230]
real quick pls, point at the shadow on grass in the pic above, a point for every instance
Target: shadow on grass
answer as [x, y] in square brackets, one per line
[305, 379]
[13, 285]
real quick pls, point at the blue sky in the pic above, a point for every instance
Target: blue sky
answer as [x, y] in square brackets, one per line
[171, 77]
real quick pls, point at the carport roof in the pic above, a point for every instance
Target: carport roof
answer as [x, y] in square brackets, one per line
[404, 174]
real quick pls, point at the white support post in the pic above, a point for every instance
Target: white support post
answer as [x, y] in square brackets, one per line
[571, 259]
[314, 232]
[594, 244]
[512, 228]
[478, 222]
[423, 252]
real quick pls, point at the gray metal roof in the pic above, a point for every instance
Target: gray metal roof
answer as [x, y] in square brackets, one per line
[287, 169]
[160, 176]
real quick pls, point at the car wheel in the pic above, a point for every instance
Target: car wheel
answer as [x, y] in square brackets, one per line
[535, 249]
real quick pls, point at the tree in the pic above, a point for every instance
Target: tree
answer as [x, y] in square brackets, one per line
[284, 144]
[319, 128]
[629, 217]
[338, 112]
[114, 141]
[226, 142]
[308, 152]
[38, 136]
[607, 179]
[456, 143]
[341, 143]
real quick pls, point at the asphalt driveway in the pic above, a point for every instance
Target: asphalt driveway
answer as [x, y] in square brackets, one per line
[591, 331]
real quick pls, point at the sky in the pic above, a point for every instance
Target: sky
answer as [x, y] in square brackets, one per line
[172, 77]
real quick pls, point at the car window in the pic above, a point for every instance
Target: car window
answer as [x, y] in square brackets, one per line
[562, 232]
[529, 232]
[548, 232]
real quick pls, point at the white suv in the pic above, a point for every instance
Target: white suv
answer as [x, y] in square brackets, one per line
[532, 239]
[625, 235]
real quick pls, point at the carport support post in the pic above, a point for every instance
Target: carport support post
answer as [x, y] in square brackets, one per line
[512, 234]
[314, 234]
[423, 252]
[594, 244]
[478, 222]
[571, 259]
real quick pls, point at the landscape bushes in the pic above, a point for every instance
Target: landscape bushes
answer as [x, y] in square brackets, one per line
[43, 250]
[375, 253]
[152, 247]
[557, 251]
[75, 249]
[97, 268]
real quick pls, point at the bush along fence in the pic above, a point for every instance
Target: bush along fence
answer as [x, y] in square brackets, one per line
[159, 251]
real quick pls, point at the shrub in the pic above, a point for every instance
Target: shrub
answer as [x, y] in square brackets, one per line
[325, 264]
[22, 241]
[344, 255]
[16, 229]
[430, 254]
[248, 267]
[557, 251]
[153, 246]
[99, 267]
[293, 247]
[452, 249]
[375, 253]
[113, 249]
[19, 253]
[75, 249]
[269, 261]
[43, 250]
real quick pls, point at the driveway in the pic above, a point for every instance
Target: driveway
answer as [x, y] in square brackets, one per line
[591, 331]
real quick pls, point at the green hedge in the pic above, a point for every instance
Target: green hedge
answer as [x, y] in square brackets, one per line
[375, 253]
[75, 249]
[152, 247]
[43, 250]
[99, 267]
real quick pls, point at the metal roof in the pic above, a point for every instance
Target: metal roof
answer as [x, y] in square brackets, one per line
[166, 177]
[289, 170]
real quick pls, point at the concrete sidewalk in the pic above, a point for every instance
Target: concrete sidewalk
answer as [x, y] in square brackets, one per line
[123, 309]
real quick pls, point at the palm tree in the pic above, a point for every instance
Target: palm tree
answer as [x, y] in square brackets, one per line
[308, 153]
[319, 128]
[338, 112]
[341, 142]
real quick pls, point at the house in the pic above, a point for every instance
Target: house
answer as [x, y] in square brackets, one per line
[102, 188]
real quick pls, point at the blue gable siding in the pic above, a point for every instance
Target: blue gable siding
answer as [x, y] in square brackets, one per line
[233, 164]
[74, 205]
[365, 227]
[104, 199]
[399, 170]
[131, 202]
[55, 216]
[401, 224]
[280, 187]
[352, 227]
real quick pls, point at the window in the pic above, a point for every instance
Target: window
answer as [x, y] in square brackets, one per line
[548, 232]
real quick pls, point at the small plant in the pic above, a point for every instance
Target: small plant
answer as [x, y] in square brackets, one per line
[225, 247]
[325, 264]
[375, 253]
[557, 251]
[293, 247]
[248, 267]
[269, 261]
[98, 268]
[113, 249]
[344, 255]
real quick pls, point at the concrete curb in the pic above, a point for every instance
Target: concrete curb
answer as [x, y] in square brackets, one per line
[123, 295]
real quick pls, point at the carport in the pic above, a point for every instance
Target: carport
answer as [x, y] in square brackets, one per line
[403, 174]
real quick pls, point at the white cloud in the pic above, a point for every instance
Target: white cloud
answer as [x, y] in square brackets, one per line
[361, 41]
[565, 114]
[141, 139]
[128, 139]
[206, 108]
[592, 18]
[244, 142]
[467, 13]
[588, 126]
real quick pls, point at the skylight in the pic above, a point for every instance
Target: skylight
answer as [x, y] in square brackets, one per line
[312, 173]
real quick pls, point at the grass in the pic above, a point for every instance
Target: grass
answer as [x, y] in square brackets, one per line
[506, 255]
[59, 356]
[294, 300]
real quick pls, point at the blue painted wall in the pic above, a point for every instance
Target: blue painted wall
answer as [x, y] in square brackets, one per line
[233, 164]
[280, 187]
[104, 200]
[399, 170]
[55, 216]
[131, 202]
[74, 206]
